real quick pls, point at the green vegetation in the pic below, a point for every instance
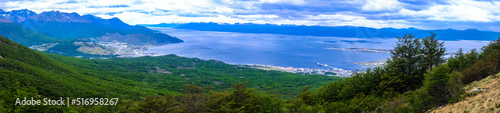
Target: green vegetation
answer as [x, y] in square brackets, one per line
[415, 79]
[34, 74]
[67, 47]
[23, 35]
[173, 73]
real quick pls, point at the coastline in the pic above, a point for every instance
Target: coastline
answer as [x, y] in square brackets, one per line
[334, 71]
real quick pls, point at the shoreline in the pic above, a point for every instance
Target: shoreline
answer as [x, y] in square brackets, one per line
[372, 63]
[334, 71]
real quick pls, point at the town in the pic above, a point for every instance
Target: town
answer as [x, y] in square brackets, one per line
[127, 50]
[333, 71]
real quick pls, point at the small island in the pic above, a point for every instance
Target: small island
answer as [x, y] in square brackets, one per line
[363, 49]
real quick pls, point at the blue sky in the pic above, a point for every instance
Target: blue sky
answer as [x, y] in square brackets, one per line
[422, 14]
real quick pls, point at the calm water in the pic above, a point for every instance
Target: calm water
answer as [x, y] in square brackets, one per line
[282, 50]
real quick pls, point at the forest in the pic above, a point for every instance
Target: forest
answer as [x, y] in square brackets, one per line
[416, 78]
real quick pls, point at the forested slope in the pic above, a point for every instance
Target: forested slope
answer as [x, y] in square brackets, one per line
[415, 79]
[49, 75]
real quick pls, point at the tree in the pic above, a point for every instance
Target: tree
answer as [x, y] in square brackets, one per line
[441, 86]
[436, 84]
[241, 99]
[406, 57]
[493, 47]
[148, 104]
[432, 51]
[392, 81]
[456, 62]
[471, 57]
[482, 68]
[194, 100]
[303, 103]
[461, 61]
[159, 104]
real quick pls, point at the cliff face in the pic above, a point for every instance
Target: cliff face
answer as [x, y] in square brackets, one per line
[484, 98]
[56, 16]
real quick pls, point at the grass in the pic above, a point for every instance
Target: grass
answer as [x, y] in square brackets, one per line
[482, 82]
[478, 102]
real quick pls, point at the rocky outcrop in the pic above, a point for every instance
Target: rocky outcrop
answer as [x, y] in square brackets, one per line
[57, 16]
[4, 20]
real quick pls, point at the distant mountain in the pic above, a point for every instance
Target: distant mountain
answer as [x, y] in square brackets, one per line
[42, 42]
[5, 21]
[17, 15]
[63, 25]
[73, 35]
[56, 16]
[335, 31]
[114, 23]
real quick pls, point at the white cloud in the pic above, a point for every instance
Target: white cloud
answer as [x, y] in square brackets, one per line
[459, 10]
[352, 20]
[382, 5]
[294, 2]
[148, 12]
[141, 18]
[338, 17]
[369, 13]
[259, 16]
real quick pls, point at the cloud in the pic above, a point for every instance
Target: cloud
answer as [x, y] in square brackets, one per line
[134, 17]
[350, 20]
[426, 14]
[382, 5]
[294, 2]
[459, 10]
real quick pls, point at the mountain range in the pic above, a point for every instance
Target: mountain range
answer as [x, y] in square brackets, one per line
[73, 26]
[62, 31]
[333, 31]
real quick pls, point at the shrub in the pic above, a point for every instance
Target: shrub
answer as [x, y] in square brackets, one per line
[482, 68]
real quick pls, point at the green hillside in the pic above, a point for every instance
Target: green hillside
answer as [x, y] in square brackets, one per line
[27, 73]
[28, 37]
[173, 73]
[23, 35]
[53, 79]
[413, 80]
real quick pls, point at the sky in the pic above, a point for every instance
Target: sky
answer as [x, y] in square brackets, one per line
[422, 14]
